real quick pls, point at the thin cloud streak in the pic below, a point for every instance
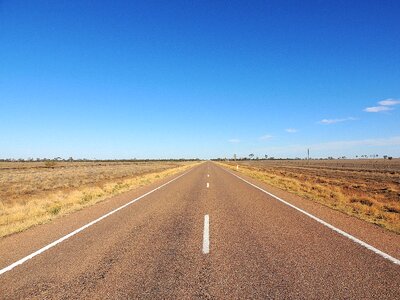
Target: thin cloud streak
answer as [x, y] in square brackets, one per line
[389, 102]
[234, 141]
[333, 121]
[265, 137]
[384, 105]
[375, 109]
[291, 130]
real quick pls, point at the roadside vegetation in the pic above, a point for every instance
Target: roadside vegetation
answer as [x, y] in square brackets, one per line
[367, 189]
[33, 193]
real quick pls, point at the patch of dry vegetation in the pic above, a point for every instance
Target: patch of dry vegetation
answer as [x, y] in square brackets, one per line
[35, 193]
[367, 189]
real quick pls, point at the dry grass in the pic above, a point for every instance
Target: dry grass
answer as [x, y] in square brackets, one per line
[34, 193]
[367, 189]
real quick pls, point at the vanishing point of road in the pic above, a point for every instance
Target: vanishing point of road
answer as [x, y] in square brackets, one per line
[204, 234]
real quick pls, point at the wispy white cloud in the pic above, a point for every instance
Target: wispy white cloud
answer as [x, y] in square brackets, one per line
[333, 121]
[375, 109]
[234, 141]
[389, 102]
[291, 130]
[265, 137]
[384, 105]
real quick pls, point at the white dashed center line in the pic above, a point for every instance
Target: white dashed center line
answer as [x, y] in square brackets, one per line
[208, 184]
[206, 235]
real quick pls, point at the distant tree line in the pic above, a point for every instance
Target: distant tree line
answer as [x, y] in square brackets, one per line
[251, 156]
[71, 159]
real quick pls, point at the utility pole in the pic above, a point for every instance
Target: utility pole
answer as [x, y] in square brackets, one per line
[308, 154]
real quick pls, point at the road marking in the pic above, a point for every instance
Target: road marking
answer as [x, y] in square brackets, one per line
[208, 175]
[206, 235]
[208, 185]
[349, 236]
[26, 258]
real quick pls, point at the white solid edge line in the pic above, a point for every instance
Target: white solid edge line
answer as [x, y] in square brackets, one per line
[26, 258]
[206, 235]
[349, 236]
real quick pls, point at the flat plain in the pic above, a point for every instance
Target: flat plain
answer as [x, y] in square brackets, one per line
[32, 193]
[149, 243]
[366, 188]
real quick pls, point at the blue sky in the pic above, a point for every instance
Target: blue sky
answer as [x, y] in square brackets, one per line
[160, 79]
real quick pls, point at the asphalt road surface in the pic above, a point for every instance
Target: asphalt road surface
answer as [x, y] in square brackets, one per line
[206, 235]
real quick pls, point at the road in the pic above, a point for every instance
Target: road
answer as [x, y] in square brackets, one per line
[206, 235]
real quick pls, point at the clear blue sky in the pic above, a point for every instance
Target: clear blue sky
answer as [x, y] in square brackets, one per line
[159, 79]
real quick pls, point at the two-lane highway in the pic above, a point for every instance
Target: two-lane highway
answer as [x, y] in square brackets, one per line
[207, 234]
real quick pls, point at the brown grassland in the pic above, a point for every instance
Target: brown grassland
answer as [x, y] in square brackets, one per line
[368, 189]
[32, 193]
